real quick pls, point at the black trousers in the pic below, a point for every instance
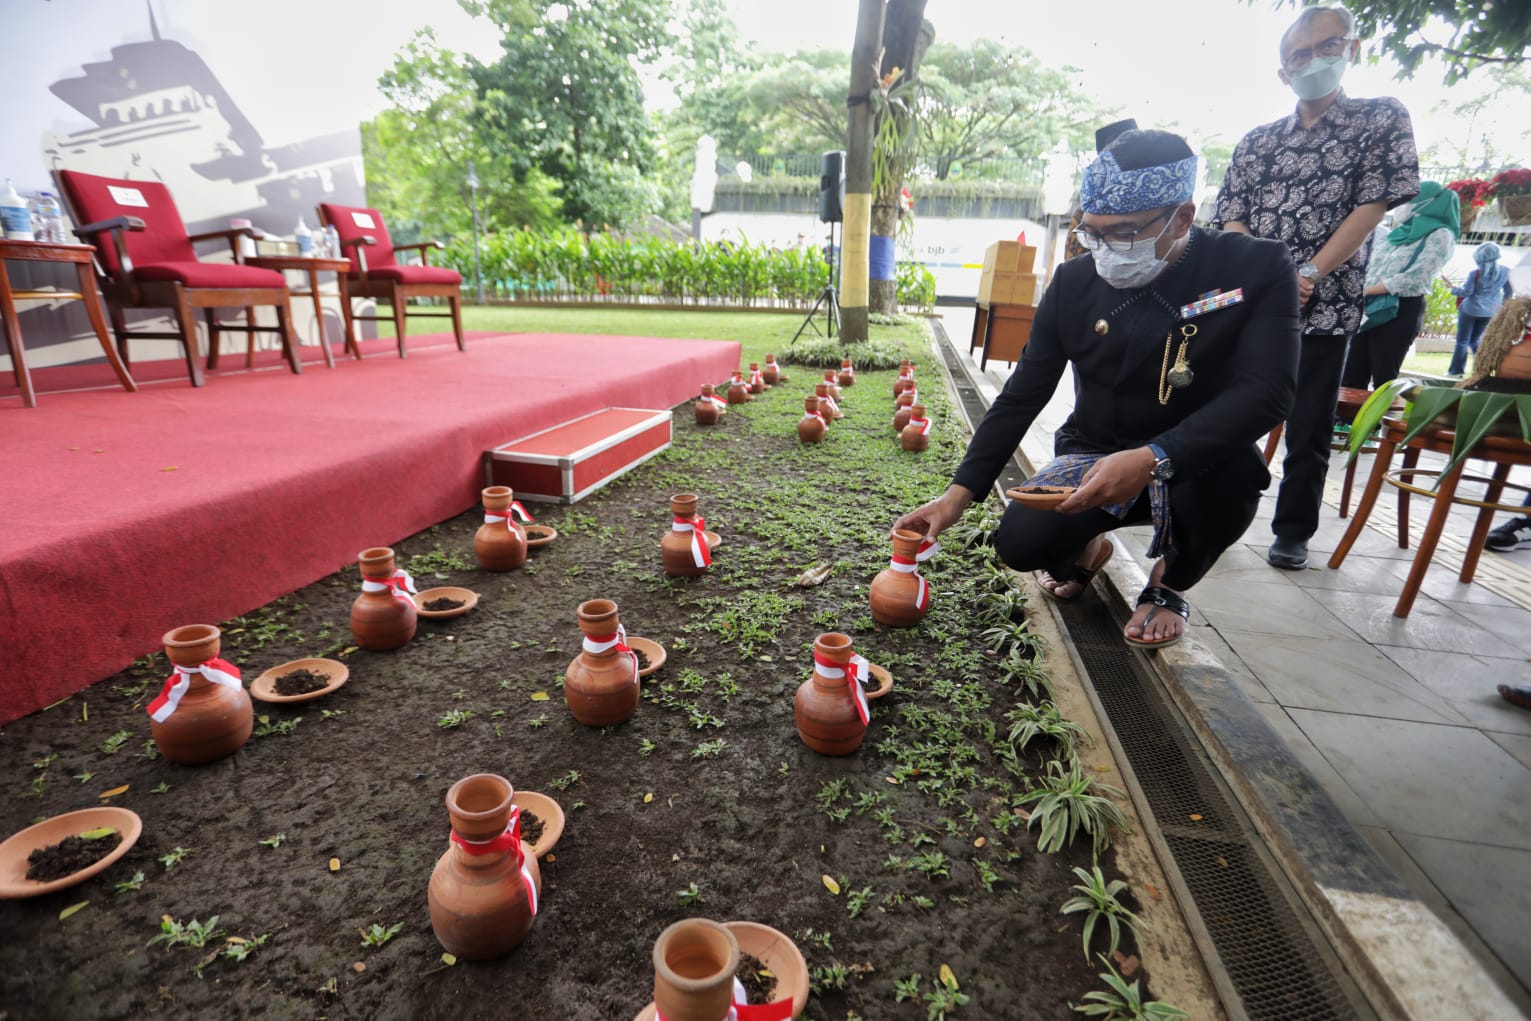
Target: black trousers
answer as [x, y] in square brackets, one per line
[1377, 354]
[1309, 432]
[1208, 513]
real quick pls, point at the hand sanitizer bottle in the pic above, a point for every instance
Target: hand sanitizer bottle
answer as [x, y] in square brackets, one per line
[305, 238]
[15, 214]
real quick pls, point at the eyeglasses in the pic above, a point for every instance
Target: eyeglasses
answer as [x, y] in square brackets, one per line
[1334, 46]
[1118, 240]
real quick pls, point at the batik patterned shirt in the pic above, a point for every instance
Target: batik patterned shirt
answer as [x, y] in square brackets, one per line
[1296, 185]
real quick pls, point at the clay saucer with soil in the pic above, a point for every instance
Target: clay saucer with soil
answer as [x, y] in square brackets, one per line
[1040, 496]
[448, 601]
[300, 680]
[651, 654]
[549, 815]
[884, 681]
[776, 954]
[15, 851]
[714, 540]
[539, 535]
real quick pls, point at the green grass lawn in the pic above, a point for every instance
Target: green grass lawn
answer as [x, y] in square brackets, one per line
[759, 332]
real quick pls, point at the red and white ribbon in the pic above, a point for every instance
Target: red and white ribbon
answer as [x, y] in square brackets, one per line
[399, 581]
[756, 379]
[700, 553]
[508, 842]
[848, 369]
[815, 414]
[219, 671]
[780, 1010]
[834, 408]
[903, 565]
[722, 405]
[508, 515]
[616, 641]
[922, 424]
[853, 671]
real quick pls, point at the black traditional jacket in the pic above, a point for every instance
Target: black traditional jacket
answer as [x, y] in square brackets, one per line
[1243, 358]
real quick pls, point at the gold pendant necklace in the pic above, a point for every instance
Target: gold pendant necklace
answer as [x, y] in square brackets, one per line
[1179, 377]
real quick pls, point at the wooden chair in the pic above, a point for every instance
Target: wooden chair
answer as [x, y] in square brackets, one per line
[145, 259]
[1504, 452]
[1346, 405]
[377, 274]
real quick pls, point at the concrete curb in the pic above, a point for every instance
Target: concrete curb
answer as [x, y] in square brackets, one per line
[1408, 963]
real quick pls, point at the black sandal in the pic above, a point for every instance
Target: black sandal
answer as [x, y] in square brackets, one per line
[1162, 599]
[1078, 574]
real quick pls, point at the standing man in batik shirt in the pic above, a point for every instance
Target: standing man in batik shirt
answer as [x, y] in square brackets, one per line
[1319, 180]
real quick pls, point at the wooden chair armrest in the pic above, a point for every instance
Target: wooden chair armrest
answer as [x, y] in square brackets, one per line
[115, 228]
[361, 244]
[423, 247]
[232, 235]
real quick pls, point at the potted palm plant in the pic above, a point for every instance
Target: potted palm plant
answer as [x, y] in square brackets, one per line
[1499, 384]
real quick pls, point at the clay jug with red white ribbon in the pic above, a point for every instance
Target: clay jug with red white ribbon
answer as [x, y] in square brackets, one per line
[831, 706]
[905, 377]
[694, 964]
[905, 410]
[900, 595]
[772, 371]
[915, 435]
[709, 407]
[847, 375]
[757, 380]
[484, 890]
[684, 550]
[828, 406]
[601, 683]
[383, 617]
[500, 541]
[739, 390]
[811, 427]
[832, 381]
[203, 712]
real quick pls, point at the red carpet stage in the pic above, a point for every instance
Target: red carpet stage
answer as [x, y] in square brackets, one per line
[128, 514]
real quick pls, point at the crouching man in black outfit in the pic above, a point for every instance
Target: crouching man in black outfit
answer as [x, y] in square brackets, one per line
[1183, 343]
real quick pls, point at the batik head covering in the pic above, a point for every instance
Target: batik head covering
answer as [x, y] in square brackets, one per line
[1139, 170]
[1435, 207]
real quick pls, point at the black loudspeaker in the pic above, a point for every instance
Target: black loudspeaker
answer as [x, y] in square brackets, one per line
[832, 187]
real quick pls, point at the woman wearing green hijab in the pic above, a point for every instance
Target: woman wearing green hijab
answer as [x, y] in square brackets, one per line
[1398, 278]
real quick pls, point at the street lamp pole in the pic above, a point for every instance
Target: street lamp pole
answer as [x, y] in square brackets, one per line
[478, 267]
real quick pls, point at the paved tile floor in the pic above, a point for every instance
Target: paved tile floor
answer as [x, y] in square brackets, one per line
[1398, 719]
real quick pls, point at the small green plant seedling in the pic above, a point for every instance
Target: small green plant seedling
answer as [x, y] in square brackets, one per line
[174, 857]
[130, 885]
[377, 935]
[1100, 899]
[113, 744]
[192, 934]
[690, 895]
[454, 718]
[274, 841]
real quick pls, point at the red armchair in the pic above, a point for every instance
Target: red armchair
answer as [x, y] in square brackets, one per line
[145, 259]
[376, 273]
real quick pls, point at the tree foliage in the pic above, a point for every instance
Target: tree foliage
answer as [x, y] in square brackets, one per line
[1464, 34]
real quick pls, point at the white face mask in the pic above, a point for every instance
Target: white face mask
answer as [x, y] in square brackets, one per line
[1321, 77]
[1139, 266]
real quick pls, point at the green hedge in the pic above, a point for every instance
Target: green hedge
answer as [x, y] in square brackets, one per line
[564, 263]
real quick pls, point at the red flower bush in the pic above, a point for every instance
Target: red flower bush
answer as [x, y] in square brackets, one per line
[1515, 181]
[1472, 191]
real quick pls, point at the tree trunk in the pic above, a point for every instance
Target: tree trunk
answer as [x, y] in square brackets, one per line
[906, 37]
[858, 172]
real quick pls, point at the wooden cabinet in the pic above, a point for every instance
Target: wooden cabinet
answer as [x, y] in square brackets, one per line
[1002, 330]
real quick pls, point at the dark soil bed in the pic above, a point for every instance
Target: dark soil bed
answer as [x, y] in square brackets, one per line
[69, 856]
[300, 682]
[705, 804]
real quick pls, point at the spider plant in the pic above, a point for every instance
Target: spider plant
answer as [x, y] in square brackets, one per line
[1029, 722]
[1100, 899]
[1066, 804]
[1125, 1002]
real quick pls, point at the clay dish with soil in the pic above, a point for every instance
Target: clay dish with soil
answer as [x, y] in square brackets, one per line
[548, 812]
[649, 652]
[539, 535]
[1040, 496]
[16, 849]
[266, 687]
[466, 599]
[781, 958]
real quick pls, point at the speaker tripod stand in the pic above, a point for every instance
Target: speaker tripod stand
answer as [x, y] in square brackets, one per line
[828, 300]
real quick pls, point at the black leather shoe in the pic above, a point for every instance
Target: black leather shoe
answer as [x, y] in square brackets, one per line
[1288, 554]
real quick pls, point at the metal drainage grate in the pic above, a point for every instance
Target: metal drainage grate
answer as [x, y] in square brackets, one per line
[1275, 959]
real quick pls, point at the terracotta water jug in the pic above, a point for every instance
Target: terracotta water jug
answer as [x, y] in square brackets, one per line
[684, 550]
[900, 596]
[847, 375]
[383, 616]
[203, 712]
[827, 403]
[709, 407]
[694, 964]
[738, 390]
[905, 377]
[832, 380]
[909, 395]
[757, 379]
[601, 683]
[772, 371]
[500, 541]
[904, 411]
[831, 707]
[811, 427]
[483, 891]
[915, 435]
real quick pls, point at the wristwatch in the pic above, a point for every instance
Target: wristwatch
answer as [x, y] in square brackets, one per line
[1163, 469]
[1308, 271]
